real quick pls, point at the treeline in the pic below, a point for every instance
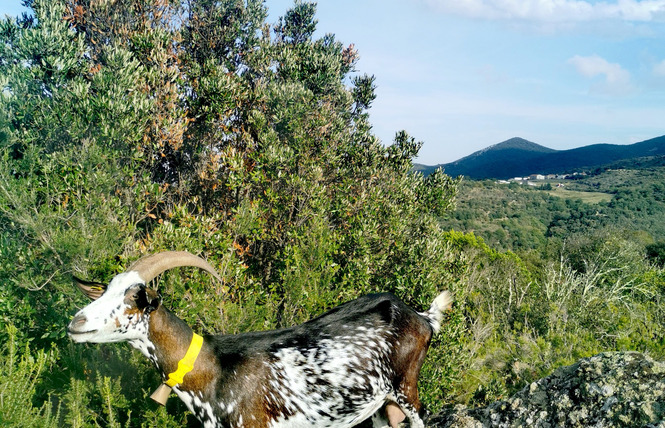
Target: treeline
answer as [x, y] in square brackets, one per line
[136, 126]
[523, 218]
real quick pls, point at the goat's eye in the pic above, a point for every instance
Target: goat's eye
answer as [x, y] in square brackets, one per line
[135, 296]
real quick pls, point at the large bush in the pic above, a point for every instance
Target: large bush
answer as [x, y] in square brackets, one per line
[138, 126]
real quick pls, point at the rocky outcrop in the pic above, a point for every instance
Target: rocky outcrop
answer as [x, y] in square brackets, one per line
[619, 389]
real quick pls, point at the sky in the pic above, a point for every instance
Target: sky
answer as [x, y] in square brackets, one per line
[461, 75]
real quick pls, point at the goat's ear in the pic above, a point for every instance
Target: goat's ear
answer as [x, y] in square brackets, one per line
[91, 289]
[148, 299]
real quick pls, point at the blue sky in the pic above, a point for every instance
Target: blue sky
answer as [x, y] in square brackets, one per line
[461, 75]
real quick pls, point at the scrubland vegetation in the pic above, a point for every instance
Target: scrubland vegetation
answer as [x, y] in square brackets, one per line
[138, 126]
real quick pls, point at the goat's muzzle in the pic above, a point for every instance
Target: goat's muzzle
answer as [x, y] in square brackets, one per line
[74, 328]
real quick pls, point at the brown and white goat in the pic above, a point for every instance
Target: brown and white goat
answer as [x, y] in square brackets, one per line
[359, 360]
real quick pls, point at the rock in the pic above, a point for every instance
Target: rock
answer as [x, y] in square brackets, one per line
[617, 389]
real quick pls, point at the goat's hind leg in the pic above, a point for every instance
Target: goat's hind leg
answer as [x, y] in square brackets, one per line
[379, 420]
[410, 413]
[406, 397]
[389, 415]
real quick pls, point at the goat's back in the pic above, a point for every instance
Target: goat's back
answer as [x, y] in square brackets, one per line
[334, 370]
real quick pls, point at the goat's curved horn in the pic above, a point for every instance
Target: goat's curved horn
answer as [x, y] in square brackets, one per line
[148, 267]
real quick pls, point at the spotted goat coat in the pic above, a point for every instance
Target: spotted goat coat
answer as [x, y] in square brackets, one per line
[336, 370]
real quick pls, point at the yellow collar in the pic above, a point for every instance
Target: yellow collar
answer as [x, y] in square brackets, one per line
[187, 363]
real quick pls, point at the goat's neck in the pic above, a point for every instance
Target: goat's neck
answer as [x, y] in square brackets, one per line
[167, 341]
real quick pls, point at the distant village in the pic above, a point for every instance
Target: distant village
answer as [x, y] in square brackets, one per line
[529, 180]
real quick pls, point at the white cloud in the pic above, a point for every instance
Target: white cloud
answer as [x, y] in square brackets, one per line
[592, 66]
[659, 69]
[616, 81]
[555, 10]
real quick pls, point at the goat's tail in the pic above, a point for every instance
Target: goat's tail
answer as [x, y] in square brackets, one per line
[434, 315]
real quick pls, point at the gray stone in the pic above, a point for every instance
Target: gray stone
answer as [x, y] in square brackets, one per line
[614, 389]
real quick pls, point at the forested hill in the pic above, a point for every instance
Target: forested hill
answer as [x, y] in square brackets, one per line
[518, 157]
[522, 218]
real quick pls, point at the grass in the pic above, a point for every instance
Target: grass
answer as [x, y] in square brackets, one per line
[587, 197]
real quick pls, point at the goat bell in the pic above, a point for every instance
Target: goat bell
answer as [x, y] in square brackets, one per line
[161, 394]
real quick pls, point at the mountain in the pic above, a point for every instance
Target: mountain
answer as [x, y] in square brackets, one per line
[518, 157]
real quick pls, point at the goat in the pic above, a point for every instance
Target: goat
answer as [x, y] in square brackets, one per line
[359, 360]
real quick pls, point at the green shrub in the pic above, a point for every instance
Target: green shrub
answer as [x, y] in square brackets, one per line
[23, 403]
